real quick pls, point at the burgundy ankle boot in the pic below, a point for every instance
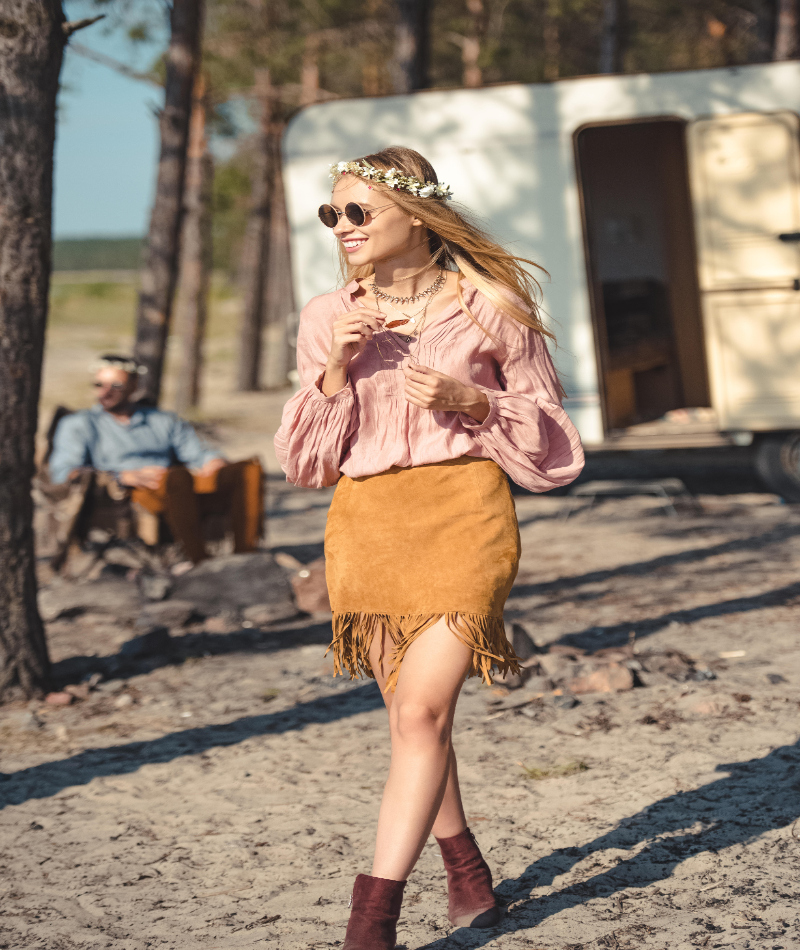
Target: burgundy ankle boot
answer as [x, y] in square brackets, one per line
[472, 902]
[374, 909]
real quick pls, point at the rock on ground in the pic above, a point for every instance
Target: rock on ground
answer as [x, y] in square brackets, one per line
[234, 582]
[115, 596]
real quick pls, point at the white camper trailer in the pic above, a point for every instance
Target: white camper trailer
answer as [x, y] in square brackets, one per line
[666, 209]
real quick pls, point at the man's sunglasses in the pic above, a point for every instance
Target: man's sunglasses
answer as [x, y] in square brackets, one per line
[117, 386]
[354, 213]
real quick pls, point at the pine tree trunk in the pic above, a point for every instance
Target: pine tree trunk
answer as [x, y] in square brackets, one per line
[786, 23]
[279, 303]
[612, 41]
[764, 47]
[160, 270]
[471, 47]
[309, 71]
[255, 253]
[552, 41]
[196, 255]
[31, 48]
[410, 66]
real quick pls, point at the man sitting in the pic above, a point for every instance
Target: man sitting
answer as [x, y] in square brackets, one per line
[151, 452]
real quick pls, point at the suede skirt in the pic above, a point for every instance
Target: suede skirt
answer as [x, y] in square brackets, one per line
[410, 546]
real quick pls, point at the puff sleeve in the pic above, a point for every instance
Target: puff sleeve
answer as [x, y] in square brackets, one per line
[528, 432]
[315, 429]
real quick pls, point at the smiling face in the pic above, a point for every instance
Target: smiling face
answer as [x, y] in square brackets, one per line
[389, 234]
[114, 387]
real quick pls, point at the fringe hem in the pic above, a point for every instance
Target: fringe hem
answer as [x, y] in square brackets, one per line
[484, 634]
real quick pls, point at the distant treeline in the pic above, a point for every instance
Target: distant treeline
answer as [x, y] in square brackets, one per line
[97, 253]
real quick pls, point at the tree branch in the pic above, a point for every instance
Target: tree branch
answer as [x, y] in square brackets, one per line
[75, 25]
[114, 64]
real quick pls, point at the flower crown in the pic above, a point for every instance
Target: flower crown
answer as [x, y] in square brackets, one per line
[393, 178]
[128, 365]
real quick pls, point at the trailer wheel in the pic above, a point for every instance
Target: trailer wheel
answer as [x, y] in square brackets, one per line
[778, 464]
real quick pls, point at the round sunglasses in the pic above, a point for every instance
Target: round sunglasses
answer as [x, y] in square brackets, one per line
[354, 213]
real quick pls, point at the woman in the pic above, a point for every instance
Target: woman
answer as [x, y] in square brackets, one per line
[423, 381]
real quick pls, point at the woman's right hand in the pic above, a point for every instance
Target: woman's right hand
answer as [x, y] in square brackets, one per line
[351, 333]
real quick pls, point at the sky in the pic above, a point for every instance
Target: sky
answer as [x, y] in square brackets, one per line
[106, 139]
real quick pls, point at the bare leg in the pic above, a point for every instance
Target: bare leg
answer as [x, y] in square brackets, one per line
[450, 819]
[420, 719]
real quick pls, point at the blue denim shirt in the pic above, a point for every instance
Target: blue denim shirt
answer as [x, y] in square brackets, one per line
[92, 437]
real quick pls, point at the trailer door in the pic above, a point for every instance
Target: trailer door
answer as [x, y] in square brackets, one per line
[745, 175]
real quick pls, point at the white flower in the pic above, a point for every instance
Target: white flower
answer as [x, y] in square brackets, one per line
[393, 179]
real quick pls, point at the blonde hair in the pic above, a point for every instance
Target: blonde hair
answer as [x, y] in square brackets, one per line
[460, 243]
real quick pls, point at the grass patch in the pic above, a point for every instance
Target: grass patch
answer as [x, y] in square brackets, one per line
[99, 305]
[99, 253]
[554, 771]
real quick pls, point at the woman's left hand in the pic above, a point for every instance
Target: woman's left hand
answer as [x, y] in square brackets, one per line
[432, 390]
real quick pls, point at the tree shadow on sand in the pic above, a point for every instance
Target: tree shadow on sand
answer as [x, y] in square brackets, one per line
[650, 566]
[49, 778]
[304, 632]
[756, 796]
[618, 634]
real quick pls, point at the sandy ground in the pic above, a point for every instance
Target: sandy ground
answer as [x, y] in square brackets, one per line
[226, 795]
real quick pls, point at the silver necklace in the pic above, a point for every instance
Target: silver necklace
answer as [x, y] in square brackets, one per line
[434, 288]
[405, 338]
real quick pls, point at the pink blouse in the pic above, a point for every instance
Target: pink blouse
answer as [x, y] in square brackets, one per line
[369, 426]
